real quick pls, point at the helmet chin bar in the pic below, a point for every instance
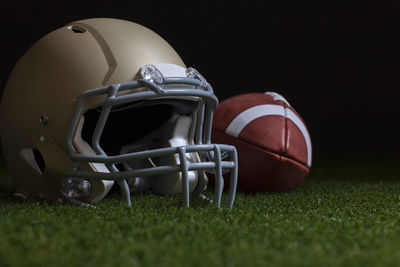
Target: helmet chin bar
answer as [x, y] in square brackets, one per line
[210, 153]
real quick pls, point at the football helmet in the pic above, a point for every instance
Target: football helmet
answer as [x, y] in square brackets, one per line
[104, 100]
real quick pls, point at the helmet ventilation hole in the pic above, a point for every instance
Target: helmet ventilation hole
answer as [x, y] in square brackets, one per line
[77, 29]
[34, 158]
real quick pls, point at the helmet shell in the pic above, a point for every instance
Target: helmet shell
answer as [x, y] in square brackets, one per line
[48, 79]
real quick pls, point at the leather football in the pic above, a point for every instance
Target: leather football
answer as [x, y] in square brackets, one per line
[272, 141]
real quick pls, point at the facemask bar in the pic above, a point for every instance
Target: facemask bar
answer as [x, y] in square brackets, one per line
[209, 152]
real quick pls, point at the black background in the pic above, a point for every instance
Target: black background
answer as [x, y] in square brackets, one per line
[338, 65]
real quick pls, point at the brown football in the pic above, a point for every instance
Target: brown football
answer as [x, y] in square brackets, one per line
[272, 141]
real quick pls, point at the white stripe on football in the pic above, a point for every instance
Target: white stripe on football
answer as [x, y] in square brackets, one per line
[248, 115]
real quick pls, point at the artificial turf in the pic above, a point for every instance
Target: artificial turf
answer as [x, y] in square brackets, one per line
[346, 212]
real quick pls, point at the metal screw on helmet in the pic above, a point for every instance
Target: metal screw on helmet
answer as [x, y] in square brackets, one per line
[44, 119]
[75, 187]
[152, 74]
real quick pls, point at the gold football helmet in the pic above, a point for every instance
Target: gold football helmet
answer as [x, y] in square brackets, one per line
[104, 100]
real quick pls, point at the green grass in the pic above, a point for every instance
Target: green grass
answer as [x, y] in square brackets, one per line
[347, 213]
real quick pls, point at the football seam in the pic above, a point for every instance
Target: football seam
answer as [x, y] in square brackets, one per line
[285, 148]
[268, 150]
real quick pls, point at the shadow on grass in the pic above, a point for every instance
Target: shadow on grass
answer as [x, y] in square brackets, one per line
[323, 171]
[7, 190]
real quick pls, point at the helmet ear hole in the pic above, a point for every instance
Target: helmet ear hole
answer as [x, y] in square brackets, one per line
[77, 29]
[34, 158]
